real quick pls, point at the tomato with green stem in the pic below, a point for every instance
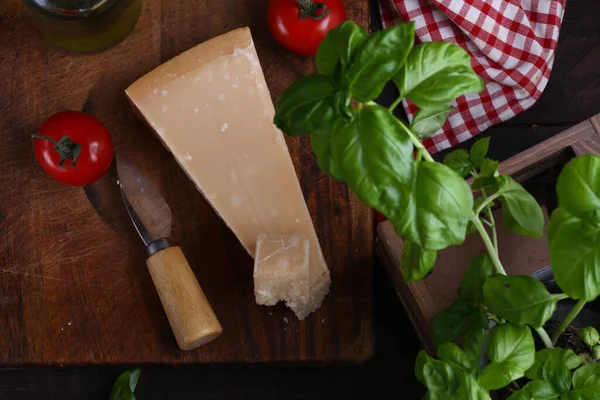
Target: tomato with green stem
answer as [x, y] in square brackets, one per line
[301, 25]
[73, 148]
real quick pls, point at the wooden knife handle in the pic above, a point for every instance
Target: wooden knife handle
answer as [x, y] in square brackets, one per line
[192, 319]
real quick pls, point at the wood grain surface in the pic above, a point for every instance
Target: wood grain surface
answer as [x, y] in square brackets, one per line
[73, 285]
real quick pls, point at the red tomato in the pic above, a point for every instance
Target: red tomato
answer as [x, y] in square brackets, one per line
[73, 148]
[299, 25]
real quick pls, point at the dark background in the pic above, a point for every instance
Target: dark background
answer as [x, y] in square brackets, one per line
[572, 95]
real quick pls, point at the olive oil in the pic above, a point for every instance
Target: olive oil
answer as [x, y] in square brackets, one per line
[84, 26]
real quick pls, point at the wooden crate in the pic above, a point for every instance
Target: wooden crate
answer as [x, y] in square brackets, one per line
[537, 169]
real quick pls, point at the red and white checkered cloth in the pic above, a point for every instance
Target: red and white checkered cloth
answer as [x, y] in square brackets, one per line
[512, 45]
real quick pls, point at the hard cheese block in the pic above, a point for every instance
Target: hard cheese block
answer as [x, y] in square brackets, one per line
[212, 109]
[281, 269]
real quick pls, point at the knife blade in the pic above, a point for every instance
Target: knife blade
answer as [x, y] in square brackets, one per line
[190, 315]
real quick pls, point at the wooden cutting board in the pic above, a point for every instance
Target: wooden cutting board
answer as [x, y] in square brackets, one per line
[74, 288]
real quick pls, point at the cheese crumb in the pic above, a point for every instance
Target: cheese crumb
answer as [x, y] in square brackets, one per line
[155, 90]
[164, 108]
[285, 320]
[233, 176]
[238, 52]
[297, 220]
[164, 92]
[235, 86]
[224, 127]
[236, 201]
[270, 313]
[188, 157]
[323, 321]
[226, 76]
[221, 96]
[195, 111]
[251, 91]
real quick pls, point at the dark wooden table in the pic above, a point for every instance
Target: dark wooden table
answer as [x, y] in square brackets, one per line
[572, 95]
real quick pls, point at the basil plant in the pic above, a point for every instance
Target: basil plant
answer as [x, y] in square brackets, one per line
[381, 158]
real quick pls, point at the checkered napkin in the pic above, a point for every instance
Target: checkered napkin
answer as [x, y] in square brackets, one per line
[512, 45]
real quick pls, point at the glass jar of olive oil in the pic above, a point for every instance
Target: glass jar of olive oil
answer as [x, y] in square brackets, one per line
[84, 26]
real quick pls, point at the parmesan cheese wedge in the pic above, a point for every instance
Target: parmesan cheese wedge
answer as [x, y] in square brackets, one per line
[212, 110]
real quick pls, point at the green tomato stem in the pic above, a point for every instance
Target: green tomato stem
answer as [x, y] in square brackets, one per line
[308, 9]
[488, 244]
[395, 103]
[568, 319]
[545, 338]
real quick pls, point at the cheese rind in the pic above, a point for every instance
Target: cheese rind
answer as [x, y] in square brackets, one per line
[281, 269]
[211, 108]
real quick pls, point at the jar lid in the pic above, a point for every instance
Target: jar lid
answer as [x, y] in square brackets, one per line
[72, 7]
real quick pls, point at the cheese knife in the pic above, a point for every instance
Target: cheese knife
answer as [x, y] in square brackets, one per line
[190, 315]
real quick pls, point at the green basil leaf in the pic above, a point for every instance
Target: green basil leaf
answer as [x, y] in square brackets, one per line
[478, 318]
[471, 285]
[125, 384]
[485, 182]
[454, 355]
[339, 46]
[472, 345]
[378, 60]
[489, 168]
[450, 323]
[535, 390]
[553, 366]
[471, 227]
[578, 186]
[575, 255]
[422, 359]
[586, 383]
[521, 212]
[428, 121]
[342, 104]
[306, 106]
[479, 151]
[416, 262]
[439, 376]
[589, 336]
[436, 73]
[456, 321]
[596, 353]
[459, 162]
[446, 381]
[519, 299]
[321, 146]
[375, 158]
[438, 209]
[511, 352]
